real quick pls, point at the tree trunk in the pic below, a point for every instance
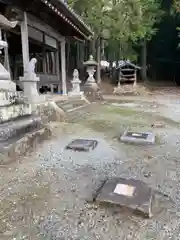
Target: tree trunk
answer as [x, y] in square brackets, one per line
[77, 55]
[98, 73]
[81, 60]
[68, 57]
[144, 61]
[103, 50]
[93, 47]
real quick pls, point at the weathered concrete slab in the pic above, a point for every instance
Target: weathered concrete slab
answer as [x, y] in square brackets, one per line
[158, 125]
[18, 127]
[82, 145]
[12, 151]
[138, 137]
[133, 194]
[130, 105]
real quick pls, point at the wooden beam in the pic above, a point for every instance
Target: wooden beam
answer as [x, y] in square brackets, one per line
[38, 24]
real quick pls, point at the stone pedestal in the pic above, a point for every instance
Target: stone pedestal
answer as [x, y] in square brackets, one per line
[126, 89]
[76, 92]
[29, 83]
[76, 95]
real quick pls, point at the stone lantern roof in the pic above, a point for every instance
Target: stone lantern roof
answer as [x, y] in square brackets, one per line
[90, 62]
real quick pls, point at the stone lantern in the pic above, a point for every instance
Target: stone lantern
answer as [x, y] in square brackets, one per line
[90, 65]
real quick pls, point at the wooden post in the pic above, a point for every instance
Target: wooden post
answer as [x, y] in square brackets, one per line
[25, 42]
[63, 66]
[58, 70]
[6, 56]
[144, 60]
[119, 78]
[135, 78]
[98, 71]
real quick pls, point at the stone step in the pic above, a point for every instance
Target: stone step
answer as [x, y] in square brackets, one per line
[83, 113]
[16, 128]
[72, 104]
[13, 111]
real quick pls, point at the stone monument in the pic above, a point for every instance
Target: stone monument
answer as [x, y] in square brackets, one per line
[15, 115]
[75, 92]
[29, 81]
[5, 80]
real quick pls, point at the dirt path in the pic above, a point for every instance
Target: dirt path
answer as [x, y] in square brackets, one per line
[44, 195]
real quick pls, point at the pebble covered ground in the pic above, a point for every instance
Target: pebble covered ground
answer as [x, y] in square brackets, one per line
[44, 196]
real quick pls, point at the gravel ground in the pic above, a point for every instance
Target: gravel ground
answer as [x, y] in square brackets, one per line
[44, 195]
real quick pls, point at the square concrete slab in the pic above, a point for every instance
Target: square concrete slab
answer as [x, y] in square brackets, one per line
[129, 193]
[138, 137]
[82, 145]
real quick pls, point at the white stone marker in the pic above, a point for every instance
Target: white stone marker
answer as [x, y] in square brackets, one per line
[29, 81]
[75, 92]
[138, 137]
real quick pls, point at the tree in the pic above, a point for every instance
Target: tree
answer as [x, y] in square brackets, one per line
[151, 14]
[126, 21]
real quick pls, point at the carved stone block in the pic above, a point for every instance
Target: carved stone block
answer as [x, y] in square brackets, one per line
[138, 137]
[82, 145]
[130, 193]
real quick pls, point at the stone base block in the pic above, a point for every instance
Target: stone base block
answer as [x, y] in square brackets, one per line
[50, 112]
[82, 145]
[76, 95]
[9, 97]
[25, 145]
[128, 89]
[6, 98]
[91, 87]
[138, 137]
[7, 85]
[13, 111]
[129, 193]
[30, 89]
[18, 127]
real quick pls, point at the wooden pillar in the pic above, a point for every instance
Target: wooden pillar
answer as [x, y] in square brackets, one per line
[52, 88]
[135, 78]
[6, 56]
[25, 42]
[63, 66]
[58, 70]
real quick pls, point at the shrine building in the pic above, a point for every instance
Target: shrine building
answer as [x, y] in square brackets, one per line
[41, 33]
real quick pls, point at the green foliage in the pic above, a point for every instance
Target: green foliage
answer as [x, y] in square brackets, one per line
[127, 21]
[176, 5]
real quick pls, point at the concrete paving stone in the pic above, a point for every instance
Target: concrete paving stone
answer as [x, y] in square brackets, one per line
[130, 193]
[82, 145]
[138, 137]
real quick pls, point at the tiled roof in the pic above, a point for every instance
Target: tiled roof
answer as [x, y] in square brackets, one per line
[75, 15]
[81, 27]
